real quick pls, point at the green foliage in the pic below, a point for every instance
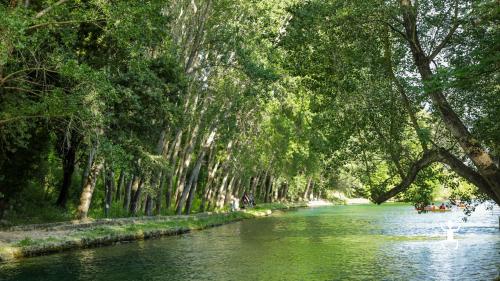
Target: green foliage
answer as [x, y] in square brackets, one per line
[315, 91]
[26, 242]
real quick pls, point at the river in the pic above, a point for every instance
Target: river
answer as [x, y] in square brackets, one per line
[358, 242]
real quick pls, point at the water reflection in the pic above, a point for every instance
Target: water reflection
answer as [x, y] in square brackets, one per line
[389, 242]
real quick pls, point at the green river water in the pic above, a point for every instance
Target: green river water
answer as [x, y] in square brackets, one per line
[363, 242]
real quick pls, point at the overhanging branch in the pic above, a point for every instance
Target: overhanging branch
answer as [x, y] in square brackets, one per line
[427, 158]
[443, 156]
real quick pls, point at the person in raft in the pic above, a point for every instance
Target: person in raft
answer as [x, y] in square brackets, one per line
[442, 207]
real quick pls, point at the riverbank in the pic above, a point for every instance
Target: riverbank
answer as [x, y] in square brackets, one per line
[35, 240]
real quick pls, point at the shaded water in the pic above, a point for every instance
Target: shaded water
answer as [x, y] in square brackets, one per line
[365, 242]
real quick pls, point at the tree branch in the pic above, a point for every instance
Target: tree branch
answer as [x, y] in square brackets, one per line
[4, 79]
[396, 30]
[448, 36]
[49, 8]
[443, 156]
[469, 174]
[64, 22]
[445, 41]
[427, 158]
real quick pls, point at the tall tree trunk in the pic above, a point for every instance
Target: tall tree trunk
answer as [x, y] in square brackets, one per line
[192, 195]
[471, 146]
[121, 182]
[69, 156]
[229, 191]
[197, 38]
[221, 192]
[207, 143]
[308, 190]
[212, 166]
[128, 193]
[134, 204]
[209, 186]
[149, 206]
[204, 199]
[269, 189]
[86, 171]
[263, 186]
[187, 155]
[285, 192]
[88, 190]
[255, 182]
[109, 187]
[275, 192]
[158, 180]
[212, 194]
[159, 196]
[192, 179]
[169, 192]
[170, 175]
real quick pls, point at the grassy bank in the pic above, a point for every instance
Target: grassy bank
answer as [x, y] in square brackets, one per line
[45, 239]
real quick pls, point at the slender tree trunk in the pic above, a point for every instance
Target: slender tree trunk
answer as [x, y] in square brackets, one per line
[194, 174]
[269, 189]
[197, 38]
[88, 190]
[134, 204]
[149, 206]
[128, 193]
[170, 175]
[229, 191]
[221, 192]
[213, 194]
[192, 195]
[255, 182]
[169, 192]
[121, 181]
[209, 186]
[205, 198]
[308, 190]
[86, 171]
[159, 196]
[275, 192]
[192, 179]
[110, 186]
[237, 187]
[69, 156]
[263, 187]
[187, 156]
[158, 180]
[242, 187]
[211, 164]
[471, 146]
[284, 196]
[313, 190]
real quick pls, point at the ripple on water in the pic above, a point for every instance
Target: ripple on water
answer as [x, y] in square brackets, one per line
[389, 242]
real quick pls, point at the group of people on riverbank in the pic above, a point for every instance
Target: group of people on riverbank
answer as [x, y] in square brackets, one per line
[247, 201]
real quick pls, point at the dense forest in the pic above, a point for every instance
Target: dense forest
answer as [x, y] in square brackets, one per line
[125, 108]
